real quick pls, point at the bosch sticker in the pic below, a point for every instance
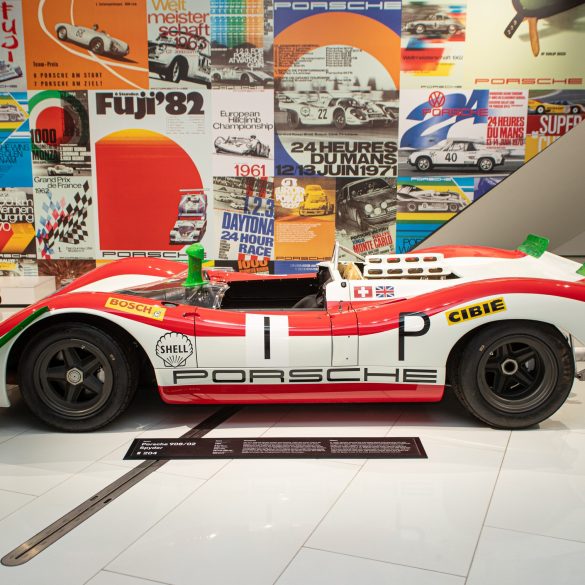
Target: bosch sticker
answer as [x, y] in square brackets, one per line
[134, 308]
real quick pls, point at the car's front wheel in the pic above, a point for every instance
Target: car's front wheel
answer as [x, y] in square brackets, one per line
[423, 163]
[62, 33]
[575, 110]
[540, 109]
[485, 164]
[514, 374]
[339, 119]
[96, 46]
[76, 377]
[453, 207]
[175, 72]
[292, 120]
[452, 29]
[419, 29]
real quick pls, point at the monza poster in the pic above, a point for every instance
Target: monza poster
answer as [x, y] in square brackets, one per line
[152, 168]
[337, 76]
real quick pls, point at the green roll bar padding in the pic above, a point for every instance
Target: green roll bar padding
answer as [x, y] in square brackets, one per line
[534, 245]
[196, 255]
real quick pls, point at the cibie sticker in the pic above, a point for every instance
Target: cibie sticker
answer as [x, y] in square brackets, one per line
[134, 308]
[174, 349]
[476, 310]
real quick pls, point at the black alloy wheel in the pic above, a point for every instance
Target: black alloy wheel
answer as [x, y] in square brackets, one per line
[513, 374]
[77, 377]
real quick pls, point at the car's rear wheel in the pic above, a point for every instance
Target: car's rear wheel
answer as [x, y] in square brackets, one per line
[452, 29]
[292, 120]
[411, 206]
[216, 77]
[96, 46]
[419, 29]
[423, 163]
[514, 374]
[62, 33]
[245, 78]
[77, 377]
[485, 164]
[453, 207]
[540, 109]
[575, 110]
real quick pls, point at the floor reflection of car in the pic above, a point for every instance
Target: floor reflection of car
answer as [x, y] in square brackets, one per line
[187, 56]
[459, 153]
[412, 198]
[242, 145]
[367, 203]
[60, 170]
[97, 41]
[315, 202]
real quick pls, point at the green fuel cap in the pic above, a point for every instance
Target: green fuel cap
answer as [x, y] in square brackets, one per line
[196, 255]
[534, 245]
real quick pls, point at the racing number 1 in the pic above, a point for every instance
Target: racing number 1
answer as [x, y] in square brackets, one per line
[267, 340]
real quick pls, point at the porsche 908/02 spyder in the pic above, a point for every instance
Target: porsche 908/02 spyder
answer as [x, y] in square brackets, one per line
[496, 326]
[97, 41]
[242, 145]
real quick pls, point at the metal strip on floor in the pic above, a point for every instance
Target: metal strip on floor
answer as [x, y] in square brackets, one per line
[35, 545]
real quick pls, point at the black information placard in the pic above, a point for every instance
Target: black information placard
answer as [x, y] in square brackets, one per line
[279, 448]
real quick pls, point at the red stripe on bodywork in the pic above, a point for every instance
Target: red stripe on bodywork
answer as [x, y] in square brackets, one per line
[302, 394]
[471, 252]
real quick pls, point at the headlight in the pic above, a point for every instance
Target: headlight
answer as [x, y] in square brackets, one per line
[384, 204]
[369, 208]
[377, 211]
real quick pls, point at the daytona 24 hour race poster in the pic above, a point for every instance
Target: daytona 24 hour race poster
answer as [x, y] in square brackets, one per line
[337, 69]
[152, 168]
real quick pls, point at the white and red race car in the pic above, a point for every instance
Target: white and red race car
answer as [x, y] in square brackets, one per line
[496, 325]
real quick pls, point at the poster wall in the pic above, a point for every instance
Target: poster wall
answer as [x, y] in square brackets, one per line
[267, 130]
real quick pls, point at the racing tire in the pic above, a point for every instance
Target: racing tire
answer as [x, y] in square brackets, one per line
[452, 29]
[575, 110]
[420, 29]
[62, 33]
[423, 163]
[292, 120]
[50, 173]
[411, 206]
[540, 109]
[339, 120]
[96, 46]
[453, 207]
[514, 374]
[12, 117]
[216, 77]
[485, 164]
[176, 71]
[76, 377]
[245, 78]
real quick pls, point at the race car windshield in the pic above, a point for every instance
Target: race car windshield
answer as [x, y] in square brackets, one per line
[208, 295]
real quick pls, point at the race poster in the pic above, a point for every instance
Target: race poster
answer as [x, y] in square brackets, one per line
[244, 211]
[305, 218]
[502, 52]
[179, 43]
[152, 169]
[17, 225]
[243, 133]
[337, 69]
[85, 45]
[366, 215]
[15, 146]
[12, 63]
[241, 51]
[425, 204]
[60, 135]
[461, 132]
[433, 43]
[551, 114]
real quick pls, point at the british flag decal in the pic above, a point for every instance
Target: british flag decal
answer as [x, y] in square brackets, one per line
[384, 292]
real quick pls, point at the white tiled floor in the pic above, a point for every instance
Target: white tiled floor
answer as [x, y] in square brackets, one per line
[487, 508]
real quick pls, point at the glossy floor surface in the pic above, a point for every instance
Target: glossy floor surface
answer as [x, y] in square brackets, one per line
[486, 508]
